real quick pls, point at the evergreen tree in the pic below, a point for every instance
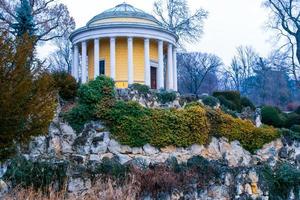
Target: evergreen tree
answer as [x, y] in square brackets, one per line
[27, 97]
[24, 17]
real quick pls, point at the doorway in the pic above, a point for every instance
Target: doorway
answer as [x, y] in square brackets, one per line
[153, 78]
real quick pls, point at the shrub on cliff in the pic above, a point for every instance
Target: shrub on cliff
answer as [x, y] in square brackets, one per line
[36, 174]
[272, 116]
[65, 84]
[141, 88]
[230, 99]
[284, 178]
[27, 97]
[89, 96]
[165, 96]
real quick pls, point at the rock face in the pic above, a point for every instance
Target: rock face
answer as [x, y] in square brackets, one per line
[95, 143]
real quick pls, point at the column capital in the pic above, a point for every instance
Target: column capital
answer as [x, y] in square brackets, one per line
[130, 38]
[112, 39]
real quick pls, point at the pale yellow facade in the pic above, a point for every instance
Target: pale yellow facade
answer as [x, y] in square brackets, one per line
[123, 20]
[121, 54]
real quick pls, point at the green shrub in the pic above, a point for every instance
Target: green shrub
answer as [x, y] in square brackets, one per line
[134, 125]
[290, 134]
[296, 128]
[245, 102]
[250, 137]
[298, 110]
[272, 116]
[234, 97]
[141, 88]
[111, 168]
[65, 84]
[193, 104]
[282, 180]
[292, 119]
[210, 101]
[79, 116]
[39, 174]
[227, 103]
[101, 89]
[165, 96]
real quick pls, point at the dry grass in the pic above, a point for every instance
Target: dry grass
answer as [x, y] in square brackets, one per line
[108, 190]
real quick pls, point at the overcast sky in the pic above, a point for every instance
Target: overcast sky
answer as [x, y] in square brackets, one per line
[230, 23]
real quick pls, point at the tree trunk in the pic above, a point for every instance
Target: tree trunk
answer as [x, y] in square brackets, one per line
[298, 57]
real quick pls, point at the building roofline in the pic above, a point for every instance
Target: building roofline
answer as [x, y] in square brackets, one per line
[121, 25]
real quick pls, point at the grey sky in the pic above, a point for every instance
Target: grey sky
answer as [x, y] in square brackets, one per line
[230, 23]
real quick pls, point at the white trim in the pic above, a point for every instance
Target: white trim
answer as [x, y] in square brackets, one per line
[160, 72]
[154, 63]
[123, 32]
[130, 60]
[170, 68]
[84, 63]
[113, 58]
[147, 62]
[96, 57]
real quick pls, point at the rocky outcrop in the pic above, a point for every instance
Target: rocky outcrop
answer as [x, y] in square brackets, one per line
[240, 177]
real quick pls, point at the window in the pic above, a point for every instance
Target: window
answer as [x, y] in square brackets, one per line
[102, 67]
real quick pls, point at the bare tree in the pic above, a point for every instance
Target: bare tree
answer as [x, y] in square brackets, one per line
[61, 59]
[51, 19]
[286, 20]
[176, 16]
[242, 66]
[195, 69]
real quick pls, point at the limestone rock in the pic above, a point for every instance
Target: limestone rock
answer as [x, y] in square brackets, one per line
[196, 149]
[114, 146]
[3, 188]
[150, 150]
[123, 158]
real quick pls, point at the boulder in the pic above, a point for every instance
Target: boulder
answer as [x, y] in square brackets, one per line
[114, 146]
[3, 187]
[150, 150]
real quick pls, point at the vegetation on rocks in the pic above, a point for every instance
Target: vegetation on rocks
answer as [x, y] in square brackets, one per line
[133, 125]
[165, 96]
[38, 174]
[282, 180]
[65, 84]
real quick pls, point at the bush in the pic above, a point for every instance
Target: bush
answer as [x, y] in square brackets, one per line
[134, 125]
[142, 89]
[284, 178]
[165, 96]
[272, 116]
[39, 174]
[296, 128]
[90, 95]
[227, 103]
[111, 169]
[210, 101]
[233, 97]
[65, 84]
[292, 119]
[245, 102]
[290, 134]
[298, 110]
[27, 96]
[250, 137]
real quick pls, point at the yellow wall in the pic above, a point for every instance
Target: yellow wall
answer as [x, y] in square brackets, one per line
[122, 59]
[128, 20]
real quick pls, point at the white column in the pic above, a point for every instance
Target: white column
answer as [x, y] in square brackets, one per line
[147, 62]
[170, 68]
[113, 58]
[96, 58]
[84, 62]
[160, 71]
[175, 86]
[75, 61]
[130, 61]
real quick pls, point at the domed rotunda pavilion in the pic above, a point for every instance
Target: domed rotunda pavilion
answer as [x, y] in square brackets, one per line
[128, 45]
